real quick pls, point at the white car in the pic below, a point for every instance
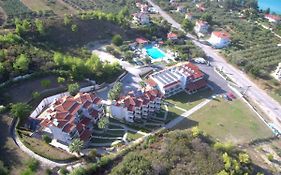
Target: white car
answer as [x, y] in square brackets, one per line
[200, 60]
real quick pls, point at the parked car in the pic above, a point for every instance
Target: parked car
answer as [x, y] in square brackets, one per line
[200, 60]
[231, 95]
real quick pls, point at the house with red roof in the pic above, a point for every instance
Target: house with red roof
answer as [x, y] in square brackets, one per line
[272, 18]
[134, 106]
[201, 26]
[71, 117]
[185, 76]
[141, 41]
[141, 18]
[219, 39]
[172, 36]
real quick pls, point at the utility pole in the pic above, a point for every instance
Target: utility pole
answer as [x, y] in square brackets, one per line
[246, 90]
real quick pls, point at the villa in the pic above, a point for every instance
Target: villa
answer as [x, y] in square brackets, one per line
[141, 18]
[201, 26]
[272, 18]
[172, 36]
[71, 117]
[185, 76]
[219, 39]
[277, 72]
[142, 7]
[134, 106]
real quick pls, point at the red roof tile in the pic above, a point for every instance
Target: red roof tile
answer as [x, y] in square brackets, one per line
[141, 40]
[86, 135]
[221, 34]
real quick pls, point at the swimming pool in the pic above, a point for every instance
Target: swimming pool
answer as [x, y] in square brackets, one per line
[154, 52]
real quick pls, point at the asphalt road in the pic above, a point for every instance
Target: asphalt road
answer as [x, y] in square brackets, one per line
[270, 106]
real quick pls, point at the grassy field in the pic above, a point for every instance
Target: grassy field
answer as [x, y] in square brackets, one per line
[229, 121]
[133, 136]
[186, 101]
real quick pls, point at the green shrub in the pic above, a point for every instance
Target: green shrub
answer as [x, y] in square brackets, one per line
[33, 164]
[117, 40]
[46, 138]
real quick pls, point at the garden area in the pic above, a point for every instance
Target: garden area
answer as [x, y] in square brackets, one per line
[229, 121]
[42, 148]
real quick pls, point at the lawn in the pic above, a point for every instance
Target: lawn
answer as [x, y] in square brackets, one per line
[45, 150]
[98, 140]
[110, 133]
[229, 121]
[133, 136]
[186, 101]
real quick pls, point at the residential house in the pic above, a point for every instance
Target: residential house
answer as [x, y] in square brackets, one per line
[201, 26]
[72, 117]
[172, 36]
[141, 41]
[219, 39]
[277, 72]
[134, 106]
[141, 18]
[272, 18]
[185, 76]
[142, 7]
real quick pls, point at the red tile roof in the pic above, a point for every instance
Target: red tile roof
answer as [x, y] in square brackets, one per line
[221, 34]
[171, 35]
[86, 135]
[151, 82]
[63, 111]
[196, 85]
[141, 40]
[273, 17]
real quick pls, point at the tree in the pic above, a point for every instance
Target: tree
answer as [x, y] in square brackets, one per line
[76, 146]
[103, 123]
[196, 131]
[45, 83]
[270, 157]
[20, 110]
[187, 25]
[2, 68]
[115, 91]
[46, 138]
[73, 88]
[35, 95]
[40, 26]
[244, 158]
[3, 169]
[58, 58]
[134, 164]
[61, 80]
[117, 40]
[66, 19]
[74, 28]
[26, 25]
[22, 63]
[207, 17]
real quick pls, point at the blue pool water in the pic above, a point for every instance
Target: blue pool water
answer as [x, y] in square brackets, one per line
[274, 5]
[154, 52]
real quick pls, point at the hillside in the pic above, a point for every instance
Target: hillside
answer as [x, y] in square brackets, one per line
[184, 152]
